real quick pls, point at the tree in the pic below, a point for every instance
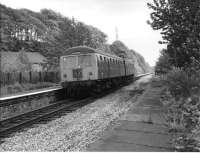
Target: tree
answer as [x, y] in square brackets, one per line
[179, 22]
[47, 32]
[163, 65]
[97, 37]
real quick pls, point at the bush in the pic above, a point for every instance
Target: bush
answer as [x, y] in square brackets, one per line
[180, 83]
[163, 64]
[183, 117]
[183, 103]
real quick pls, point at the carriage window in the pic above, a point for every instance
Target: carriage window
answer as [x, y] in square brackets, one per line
[110, 61]
[70, 61]
[84, 60]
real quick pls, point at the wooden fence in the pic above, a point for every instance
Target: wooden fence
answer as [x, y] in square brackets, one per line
[28, 77]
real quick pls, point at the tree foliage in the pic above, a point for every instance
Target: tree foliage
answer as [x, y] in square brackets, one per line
[163, 65]
[179, 22]
[47, 32]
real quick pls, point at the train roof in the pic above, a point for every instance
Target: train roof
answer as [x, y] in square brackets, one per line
[87, 50]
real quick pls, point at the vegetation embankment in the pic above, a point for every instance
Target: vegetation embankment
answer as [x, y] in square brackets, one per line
[178, 68]
[48, 33]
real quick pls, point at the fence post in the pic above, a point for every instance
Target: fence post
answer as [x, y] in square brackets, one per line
[57, 77]
[40, 77]
[54, 77]
[8, 78]
[20, 77]
[3, 78]
[46, 77]
[30, 76]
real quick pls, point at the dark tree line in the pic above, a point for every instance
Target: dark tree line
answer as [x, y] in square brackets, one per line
[179, 22]
[47, 32]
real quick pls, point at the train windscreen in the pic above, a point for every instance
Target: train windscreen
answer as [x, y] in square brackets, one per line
[70, 61]
[84, 61]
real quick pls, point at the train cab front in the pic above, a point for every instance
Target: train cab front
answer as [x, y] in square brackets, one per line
[78, 71]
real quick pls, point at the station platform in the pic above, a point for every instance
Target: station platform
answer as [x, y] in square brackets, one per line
[30, 92]
[142, 128]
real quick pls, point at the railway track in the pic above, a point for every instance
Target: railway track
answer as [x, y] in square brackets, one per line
[56, 91]
[13, 124]
[10, 125]
[18, 122]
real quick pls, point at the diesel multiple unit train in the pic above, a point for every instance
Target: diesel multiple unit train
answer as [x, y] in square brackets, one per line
[87, 70]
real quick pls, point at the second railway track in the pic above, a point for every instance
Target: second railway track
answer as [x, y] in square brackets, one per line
[16, 123]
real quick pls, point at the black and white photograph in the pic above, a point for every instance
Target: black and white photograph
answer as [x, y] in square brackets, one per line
[99, 75]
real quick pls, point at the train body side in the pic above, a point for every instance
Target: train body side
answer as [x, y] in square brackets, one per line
[109, 67]
[86, 68]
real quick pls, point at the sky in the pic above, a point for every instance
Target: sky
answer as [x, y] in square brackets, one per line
[129, 16]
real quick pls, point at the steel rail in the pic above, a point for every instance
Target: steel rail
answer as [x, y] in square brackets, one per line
[21, 121]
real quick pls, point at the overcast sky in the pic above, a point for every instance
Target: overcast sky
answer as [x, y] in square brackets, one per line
[129, 16]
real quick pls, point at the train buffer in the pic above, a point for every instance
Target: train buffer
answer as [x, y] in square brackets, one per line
[140, 129]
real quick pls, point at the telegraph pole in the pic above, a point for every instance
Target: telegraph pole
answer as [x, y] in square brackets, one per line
[116, 33]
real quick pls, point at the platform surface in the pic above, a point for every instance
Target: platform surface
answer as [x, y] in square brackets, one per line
[30, 92]
[142, 128]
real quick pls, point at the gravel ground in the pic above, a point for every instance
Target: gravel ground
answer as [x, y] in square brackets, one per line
[74, 131]
[20, 108]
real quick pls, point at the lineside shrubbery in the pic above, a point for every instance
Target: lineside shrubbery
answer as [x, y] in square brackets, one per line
[183, 106]
[179, 23]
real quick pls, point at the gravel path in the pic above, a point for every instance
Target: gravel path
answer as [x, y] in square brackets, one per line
[74, 131]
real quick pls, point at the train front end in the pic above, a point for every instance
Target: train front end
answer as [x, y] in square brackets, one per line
[78, 70]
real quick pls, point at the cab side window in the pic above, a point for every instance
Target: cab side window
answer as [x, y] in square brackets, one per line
[100, 58]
